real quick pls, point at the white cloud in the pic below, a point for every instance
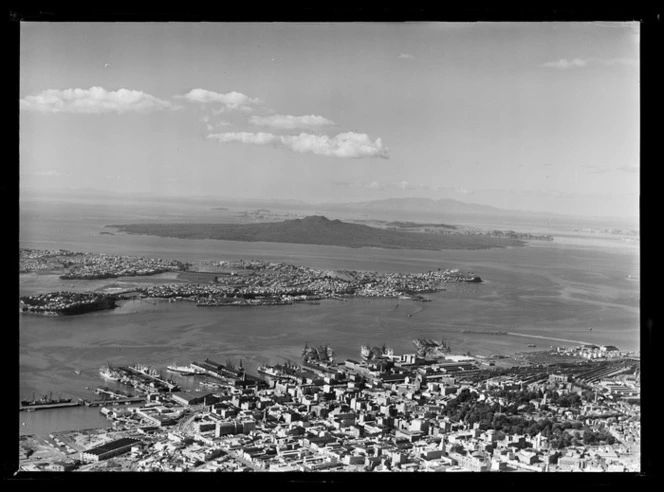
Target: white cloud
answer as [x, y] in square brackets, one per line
[406, 56]
[564, 64]
[368, 185]
[93, 100]
[346, 145]
[289, 122]
[230, 100]
[218, 124]
[245, 137]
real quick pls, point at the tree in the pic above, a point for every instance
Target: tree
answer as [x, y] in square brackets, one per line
[533, 429]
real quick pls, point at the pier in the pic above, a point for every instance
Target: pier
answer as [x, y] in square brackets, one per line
[145, 380]
[114, 401]
[47, 406]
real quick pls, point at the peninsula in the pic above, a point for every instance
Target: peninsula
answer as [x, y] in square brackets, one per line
[66, 303]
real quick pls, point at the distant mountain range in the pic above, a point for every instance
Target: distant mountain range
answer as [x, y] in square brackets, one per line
[446, 206]
[319, 230]
[443, 207]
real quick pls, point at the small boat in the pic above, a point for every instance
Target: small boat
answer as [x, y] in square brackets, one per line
[77, 371]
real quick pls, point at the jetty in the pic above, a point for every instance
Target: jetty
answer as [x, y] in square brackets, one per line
[47, 406]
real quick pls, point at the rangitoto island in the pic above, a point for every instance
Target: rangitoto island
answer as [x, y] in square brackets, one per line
[322, 231]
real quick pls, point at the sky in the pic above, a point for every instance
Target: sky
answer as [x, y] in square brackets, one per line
[527, 116]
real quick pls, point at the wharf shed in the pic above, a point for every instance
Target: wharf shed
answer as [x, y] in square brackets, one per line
[108, 450]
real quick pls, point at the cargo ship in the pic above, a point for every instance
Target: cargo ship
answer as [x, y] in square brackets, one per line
[427, 347]
[145, 370]
[185, 370]
[370, 353]
[44, 400]
[323, 353]
[107, 372]
[278, 370]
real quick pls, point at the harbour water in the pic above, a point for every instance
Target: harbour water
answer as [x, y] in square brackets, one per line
[557, 290]
[44, 422]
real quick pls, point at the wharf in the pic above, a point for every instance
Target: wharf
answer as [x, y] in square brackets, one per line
[48, 406]
[112, 393]
[147, 377]
[115, 401]
[226, 373]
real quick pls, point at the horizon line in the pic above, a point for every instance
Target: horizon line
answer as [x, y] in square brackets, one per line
[316, 204]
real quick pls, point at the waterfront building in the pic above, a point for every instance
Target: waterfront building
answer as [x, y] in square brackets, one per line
[108, 450]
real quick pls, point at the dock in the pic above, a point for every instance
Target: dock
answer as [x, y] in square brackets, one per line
[147, 382]
[114, 401]
[47, 406]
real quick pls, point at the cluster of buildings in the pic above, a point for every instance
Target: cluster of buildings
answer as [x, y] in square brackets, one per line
[288, 283]
[57, 303]
[259, 283]
[519, 235]
[590, 351]
[93, 265]
[384, 413]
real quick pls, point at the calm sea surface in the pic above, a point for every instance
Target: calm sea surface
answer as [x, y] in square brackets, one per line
[556, 289]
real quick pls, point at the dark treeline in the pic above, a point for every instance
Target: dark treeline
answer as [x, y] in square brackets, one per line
[509, 419]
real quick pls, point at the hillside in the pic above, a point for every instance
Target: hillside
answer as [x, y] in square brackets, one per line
[319, 230]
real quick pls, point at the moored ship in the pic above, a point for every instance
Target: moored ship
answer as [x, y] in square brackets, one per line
[427, 347]
[371, 353]
[322, 353]
[45, 400]
[107, 372]
[146, 370]
[185, 370]
[278, 370]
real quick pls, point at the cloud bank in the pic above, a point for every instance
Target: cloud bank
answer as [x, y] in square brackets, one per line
[564, 64]
[289, 122]
[230, 100]
[93, 100]
[400, 185]
[345, 145]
